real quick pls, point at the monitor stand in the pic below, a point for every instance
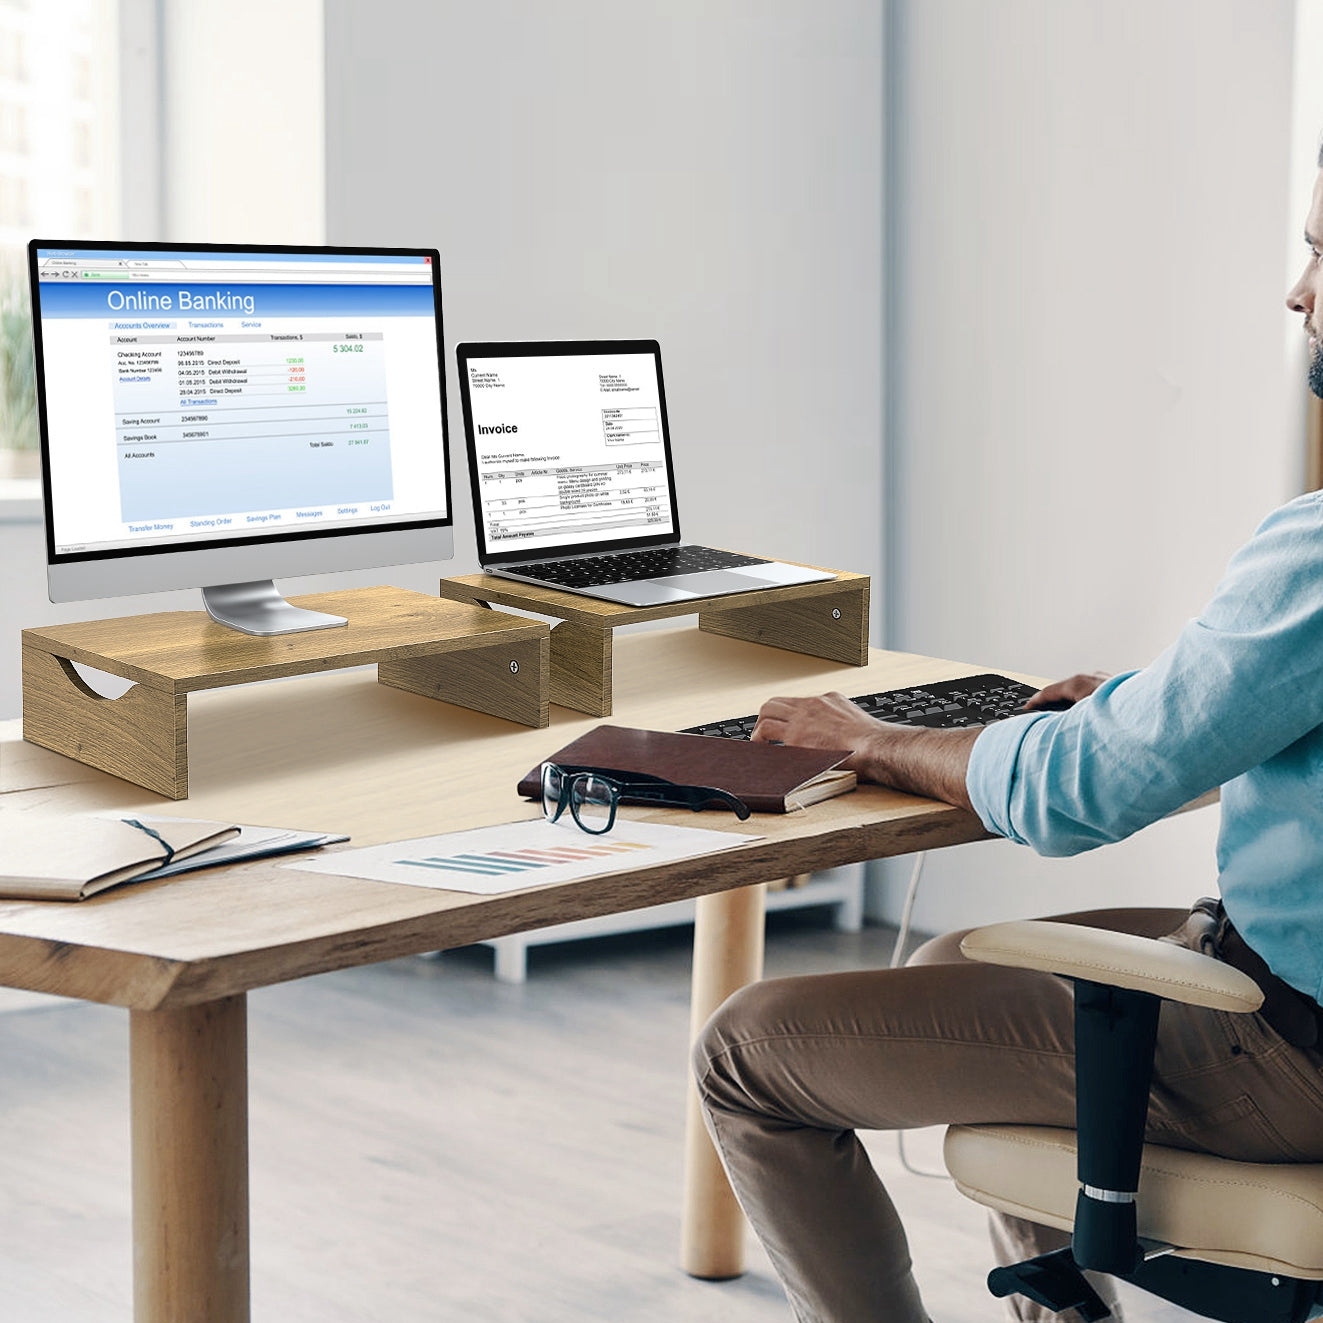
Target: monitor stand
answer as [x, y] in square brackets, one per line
[257, 608]
[490, 661]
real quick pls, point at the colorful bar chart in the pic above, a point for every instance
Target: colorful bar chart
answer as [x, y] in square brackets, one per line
[515, 855]
[496, 862]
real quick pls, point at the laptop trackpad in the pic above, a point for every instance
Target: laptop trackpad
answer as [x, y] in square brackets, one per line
[642, 592]
[714, 583]
[679, 588]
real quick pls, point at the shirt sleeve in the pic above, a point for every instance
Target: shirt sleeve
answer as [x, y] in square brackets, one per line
[1243, 681]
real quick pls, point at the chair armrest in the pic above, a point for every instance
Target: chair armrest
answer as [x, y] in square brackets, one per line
[1120, 960]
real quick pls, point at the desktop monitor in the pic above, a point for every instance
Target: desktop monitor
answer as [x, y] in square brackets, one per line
[215, 416]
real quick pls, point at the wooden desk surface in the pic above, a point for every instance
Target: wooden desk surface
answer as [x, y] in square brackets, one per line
[343, 753]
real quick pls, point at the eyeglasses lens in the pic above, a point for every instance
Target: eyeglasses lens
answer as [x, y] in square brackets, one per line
[553, 785]
[590, 800]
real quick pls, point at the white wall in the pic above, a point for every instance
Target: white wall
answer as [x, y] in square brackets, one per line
[1089, 408]
[706, 174]
[1306, 136]
[243, 138]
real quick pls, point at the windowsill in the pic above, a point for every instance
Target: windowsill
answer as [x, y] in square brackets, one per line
[20, 501]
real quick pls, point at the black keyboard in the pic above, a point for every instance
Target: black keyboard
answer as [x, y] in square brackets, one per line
[629, 566]
[977, 700]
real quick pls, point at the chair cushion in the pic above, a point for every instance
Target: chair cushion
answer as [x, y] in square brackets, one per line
[1264, 1216]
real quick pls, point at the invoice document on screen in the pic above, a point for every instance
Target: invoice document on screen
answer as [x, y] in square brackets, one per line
[569, 449]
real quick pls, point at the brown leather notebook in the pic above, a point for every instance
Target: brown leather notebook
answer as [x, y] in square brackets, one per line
[769, 778]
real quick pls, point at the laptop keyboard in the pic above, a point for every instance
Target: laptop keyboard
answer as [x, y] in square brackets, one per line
[977, 700]
[629, 566]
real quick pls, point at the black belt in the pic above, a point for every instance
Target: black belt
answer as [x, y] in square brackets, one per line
[1288, 1011]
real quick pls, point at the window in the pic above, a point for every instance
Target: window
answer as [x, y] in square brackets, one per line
[13, 128]
[59, 169]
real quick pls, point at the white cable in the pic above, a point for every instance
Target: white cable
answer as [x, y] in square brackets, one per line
[907, 911]
[897, 959]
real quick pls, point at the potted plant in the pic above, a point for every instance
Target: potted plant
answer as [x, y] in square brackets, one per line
[18, 383]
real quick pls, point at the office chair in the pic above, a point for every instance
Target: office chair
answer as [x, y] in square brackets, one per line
[1237, 1241]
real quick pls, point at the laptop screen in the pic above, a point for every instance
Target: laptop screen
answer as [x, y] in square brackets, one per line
[568, 447]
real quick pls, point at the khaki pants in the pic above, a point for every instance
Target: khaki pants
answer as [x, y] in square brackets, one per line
[789, 1069]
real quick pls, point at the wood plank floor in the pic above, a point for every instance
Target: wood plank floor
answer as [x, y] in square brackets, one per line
[430, 1145]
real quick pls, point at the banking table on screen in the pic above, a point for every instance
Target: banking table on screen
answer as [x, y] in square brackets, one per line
[240, 420]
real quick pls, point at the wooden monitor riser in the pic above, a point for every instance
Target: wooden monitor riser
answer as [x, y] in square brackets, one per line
[827, 619]
[485, 660]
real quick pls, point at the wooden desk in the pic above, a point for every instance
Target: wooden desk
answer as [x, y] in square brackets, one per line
[343, 753]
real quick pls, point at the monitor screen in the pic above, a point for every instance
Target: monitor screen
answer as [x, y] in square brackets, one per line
[568, 445]
[207, 398]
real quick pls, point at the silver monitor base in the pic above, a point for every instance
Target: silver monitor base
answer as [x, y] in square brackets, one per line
[257, 608]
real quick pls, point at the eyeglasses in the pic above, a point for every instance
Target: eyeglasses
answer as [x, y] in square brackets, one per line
[593, 794]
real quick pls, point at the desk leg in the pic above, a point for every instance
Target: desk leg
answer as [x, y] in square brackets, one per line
[189, 1086]
[728, 953]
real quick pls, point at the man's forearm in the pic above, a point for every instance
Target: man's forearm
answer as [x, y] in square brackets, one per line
[924, 762]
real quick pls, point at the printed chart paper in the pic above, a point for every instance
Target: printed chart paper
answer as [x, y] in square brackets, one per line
[515, 855]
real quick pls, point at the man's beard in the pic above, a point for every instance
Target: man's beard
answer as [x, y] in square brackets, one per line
[1316, 371]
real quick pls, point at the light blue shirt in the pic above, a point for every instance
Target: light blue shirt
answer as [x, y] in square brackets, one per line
[1236, 702]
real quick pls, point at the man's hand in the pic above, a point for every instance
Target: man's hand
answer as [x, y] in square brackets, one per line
[1065, 693]
[924, 762]
[828, 722]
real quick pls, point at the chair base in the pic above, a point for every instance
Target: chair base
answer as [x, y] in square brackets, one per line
[1052, 1280]
[1211, 1290]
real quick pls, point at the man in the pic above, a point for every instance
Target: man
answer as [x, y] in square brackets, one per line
[789, 1069]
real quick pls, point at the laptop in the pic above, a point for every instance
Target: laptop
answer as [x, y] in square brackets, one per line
[570, 465]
